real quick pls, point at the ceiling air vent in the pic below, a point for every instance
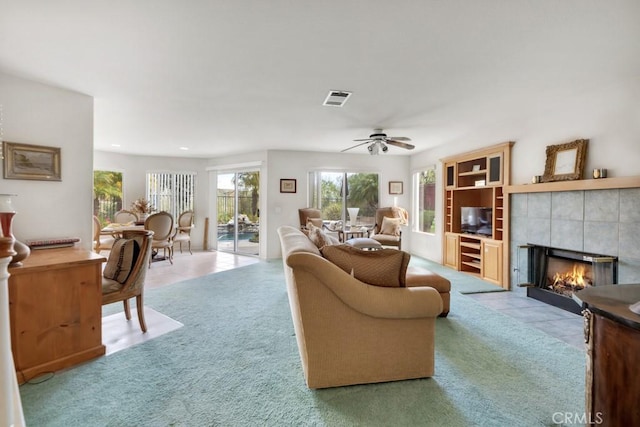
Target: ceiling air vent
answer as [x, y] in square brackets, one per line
[336, 98]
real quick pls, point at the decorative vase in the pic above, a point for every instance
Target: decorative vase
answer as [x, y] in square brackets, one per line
[353, 215]
[6, 219]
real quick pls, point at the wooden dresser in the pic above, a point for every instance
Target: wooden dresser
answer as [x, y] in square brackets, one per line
[55, 309]
[613, 352]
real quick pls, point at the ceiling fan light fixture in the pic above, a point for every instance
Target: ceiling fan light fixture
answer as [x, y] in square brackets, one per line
[379, 141]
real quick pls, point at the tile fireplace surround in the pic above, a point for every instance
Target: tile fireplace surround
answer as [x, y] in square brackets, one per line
[605, 221]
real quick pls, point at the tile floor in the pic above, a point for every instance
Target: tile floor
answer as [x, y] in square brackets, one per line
[186, 266]
[554, 321]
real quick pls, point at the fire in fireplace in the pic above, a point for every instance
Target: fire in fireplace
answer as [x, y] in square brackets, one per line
[553, 274]
[565, 278]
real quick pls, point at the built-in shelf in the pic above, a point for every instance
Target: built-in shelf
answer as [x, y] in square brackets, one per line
[581, 184]
[477, 179]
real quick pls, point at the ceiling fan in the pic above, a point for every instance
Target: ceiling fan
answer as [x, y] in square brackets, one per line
[379, 141]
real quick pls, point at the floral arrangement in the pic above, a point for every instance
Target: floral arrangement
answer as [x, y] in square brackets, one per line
[142, 206]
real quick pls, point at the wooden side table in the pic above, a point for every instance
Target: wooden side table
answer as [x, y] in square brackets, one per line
[55, 309]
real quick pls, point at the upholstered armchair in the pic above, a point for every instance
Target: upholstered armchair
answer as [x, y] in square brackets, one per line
[387, 229]
[314, 216]
[311, 215]
[124, 274]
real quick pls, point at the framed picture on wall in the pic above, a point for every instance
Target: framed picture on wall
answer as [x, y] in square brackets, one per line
[287, 185]
[395, 187]
[565, 162]
[36, 162]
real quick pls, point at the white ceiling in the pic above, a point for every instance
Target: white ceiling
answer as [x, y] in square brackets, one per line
[231, 76]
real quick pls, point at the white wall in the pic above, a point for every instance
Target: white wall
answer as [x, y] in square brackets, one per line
[33, 113]
[608, 115]
[282, 208]
[135, 168]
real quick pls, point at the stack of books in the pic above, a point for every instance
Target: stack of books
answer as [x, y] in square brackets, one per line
[58, 242]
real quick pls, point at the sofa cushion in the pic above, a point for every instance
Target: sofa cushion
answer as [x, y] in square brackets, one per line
[384, 267]
[122, 258]
[314, 221]
[319, 237]
[390, 226]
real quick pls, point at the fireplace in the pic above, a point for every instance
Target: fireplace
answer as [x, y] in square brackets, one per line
[553, 274]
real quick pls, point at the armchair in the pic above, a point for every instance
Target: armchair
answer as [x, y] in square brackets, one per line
[314, 216]
[387, 228]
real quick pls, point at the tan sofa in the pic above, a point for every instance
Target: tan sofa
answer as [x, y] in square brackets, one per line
[349, 332]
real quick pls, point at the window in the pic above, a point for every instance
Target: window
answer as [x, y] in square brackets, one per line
[107, 195]
[172, 192]
[425, 185]
[335, 192]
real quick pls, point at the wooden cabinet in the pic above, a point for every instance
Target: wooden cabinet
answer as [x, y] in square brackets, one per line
[55, 310]
[478, 179]
[491, 261]
[451, 250]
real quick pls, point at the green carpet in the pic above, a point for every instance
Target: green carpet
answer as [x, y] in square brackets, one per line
[235, 363]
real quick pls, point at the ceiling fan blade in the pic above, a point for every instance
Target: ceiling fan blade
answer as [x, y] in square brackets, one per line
[357, 145]
[365, 139]
[399, 138]
[400, 144]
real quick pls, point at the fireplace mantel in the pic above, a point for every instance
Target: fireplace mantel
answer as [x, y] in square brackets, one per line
[582, 184]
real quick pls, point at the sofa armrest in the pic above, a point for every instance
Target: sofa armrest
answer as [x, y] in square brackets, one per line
[374, 301]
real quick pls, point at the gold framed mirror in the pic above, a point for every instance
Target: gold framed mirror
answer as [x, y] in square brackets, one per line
[565, 162]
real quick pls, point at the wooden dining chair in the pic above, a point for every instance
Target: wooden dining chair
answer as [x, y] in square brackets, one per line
[124, 274]
[101, 241]
[161, 223]
[183, 230]
[124, 216]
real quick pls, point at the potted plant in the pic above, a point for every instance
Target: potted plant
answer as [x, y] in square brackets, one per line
[143, 208]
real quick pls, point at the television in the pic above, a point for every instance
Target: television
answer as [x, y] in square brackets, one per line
[476, 220]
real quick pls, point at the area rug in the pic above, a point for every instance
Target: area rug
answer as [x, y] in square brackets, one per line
[235, 363]
[460, 282]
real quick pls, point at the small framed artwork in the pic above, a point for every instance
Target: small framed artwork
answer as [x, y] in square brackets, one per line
[287, 185]
[395, 187]
[36, 162]
[565, 162]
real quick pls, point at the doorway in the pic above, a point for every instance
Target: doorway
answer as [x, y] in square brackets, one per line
[238, 222]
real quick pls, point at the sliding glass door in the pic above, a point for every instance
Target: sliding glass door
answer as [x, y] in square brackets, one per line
[238, 214]
[345, 196]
